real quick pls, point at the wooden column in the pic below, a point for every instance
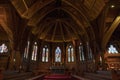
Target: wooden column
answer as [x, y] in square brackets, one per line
[30, 52]
[86, 56]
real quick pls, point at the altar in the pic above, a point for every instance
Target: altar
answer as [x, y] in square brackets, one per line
[57, 69]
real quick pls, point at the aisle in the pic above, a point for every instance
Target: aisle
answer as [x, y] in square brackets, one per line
[58, 77]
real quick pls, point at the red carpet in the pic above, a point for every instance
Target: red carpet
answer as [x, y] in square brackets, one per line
[58, 77]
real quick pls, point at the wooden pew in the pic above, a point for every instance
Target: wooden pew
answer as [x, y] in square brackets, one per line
[97, 76]
[17, 76]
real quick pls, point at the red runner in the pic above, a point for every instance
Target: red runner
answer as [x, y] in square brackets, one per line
[58, 77]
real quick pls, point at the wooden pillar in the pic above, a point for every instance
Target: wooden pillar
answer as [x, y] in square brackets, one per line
[30, 52]
[103, 60]
[11, 62]
[38, 54]
[92, 45]
[18, 59]
[64, 52]
[77, 61]
[86, 56]
[50, 53]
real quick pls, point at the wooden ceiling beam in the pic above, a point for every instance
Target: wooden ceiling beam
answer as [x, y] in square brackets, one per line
[20, 6]
[44, 33]
[28, 12]
[36, 18]
[89, 9]
[108, 34]
[70, 34]
[79, 8]
[36, 7]
[73, 25]
[77, 19]
[62, 32]
[54, 30]
[37, 29]
[25, 4]
[41, 28]
[73, 28]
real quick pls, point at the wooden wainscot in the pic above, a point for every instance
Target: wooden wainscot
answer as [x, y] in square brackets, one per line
[1, 75]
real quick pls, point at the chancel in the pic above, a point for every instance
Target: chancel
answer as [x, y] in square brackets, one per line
[59, 40]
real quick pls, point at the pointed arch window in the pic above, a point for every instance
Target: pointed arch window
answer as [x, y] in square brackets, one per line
[45, 53]
[100, 59]
[91, 54]
[112, 50]
[70, 52]
[26, 50]
[81, 52]
[3, 48]
[58, 54]
[34, 52]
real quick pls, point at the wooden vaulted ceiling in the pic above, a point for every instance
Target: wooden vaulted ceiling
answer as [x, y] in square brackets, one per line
[111, 27]
[3, 35]
[66, 20]
[59, 20]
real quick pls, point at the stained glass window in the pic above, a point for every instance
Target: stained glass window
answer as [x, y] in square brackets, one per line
[112, 50]
[100, 59]
[58, 54]
[26, 50]
[3, 48]
[34, 52]
[45, 53]
[70, 53]
[91, 55]
[81, 53]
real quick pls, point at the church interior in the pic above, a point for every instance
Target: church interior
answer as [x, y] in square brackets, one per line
[59, 39]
